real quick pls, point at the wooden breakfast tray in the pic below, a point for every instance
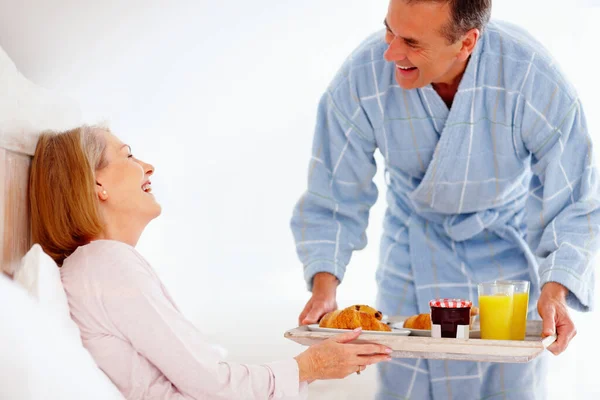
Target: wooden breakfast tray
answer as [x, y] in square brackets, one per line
[502, 351]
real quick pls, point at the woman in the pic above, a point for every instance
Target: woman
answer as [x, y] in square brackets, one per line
[90, 202]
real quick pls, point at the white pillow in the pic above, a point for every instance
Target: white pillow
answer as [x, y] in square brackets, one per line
[40, 277]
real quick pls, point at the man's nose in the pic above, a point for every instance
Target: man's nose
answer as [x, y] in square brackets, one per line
[396, 51]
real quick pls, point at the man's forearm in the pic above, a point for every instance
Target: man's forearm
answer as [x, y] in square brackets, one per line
[324, 282]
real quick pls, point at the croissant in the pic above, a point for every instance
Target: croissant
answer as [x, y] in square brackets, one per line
[353, 317]
[423, 321]
[420, 321]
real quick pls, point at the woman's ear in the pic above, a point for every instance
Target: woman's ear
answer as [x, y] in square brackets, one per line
[101, 192]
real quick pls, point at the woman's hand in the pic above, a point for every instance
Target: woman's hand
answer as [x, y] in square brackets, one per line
[322, 300]
[552, 307]
[335, 358]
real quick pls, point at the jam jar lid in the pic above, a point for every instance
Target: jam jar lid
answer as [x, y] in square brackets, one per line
[450, 303]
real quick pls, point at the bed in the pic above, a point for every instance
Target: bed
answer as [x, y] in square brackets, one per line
[14, 229]
[41, 348]
[26, 111]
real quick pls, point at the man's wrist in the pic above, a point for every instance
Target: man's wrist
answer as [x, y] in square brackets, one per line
[556, 290]
[324, 282]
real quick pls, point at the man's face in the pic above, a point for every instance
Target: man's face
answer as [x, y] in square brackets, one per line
[421, 52]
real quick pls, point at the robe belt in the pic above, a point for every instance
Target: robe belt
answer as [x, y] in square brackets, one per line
[504, 222]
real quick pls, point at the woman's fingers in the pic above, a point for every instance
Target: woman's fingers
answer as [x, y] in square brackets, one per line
[374, 359]
[335, 358]
[367, 354]
[368, 349]
[360, 362]
[347, 336]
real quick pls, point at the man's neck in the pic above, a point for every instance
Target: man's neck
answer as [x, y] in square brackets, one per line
[447, 87]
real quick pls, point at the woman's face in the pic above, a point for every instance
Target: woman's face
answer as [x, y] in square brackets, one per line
[123, 185]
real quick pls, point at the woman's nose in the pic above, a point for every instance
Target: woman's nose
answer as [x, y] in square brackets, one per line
[149, 169]
[395, 51]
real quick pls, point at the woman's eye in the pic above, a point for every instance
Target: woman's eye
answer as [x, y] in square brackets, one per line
[130, 156]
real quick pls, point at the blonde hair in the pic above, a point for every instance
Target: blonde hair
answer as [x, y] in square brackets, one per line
[62, 189]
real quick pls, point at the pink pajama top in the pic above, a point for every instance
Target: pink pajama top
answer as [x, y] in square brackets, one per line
[140, 339]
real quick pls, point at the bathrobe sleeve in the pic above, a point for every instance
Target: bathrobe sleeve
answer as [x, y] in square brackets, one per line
[330, 219]
[563, 208]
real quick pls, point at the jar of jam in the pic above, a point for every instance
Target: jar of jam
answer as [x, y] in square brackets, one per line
[450, 318]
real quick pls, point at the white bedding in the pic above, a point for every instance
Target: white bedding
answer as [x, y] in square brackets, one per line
[42, 355]
[39, 361]
[27, 109]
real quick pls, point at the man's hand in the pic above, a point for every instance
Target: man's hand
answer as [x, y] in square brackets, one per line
[322, 300]
[552, 307]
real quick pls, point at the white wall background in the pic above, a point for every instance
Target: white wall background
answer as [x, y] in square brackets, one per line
[221, 97]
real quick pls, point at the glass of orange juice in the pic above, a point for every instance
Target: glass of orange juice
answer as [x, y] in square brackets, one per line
[520, 306]
[496, 310]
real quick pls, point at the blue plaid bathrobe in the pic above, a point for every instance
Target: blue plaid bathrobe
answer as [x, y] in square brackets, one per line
[501, 185]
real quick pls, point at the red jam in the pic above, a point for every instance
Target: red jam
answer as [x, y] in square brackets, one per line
[453, 317]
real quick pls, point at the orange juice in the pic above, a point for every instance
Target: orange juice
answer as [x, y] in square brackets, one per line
[520, 303]
[495, 316]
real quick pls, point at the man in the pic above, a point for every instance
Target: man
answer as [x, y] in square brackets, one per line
[489, 170]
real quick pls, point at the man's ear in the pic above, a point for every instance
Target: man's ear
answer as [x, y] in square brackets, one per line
[468, 43]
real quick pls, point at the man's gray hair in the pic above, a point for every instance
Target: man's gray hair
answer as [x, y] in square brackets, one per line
[465, 15]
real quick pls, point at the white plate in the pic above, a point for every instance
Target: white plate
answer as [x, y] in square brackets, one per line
[413, 332]
[473, 333]
[395, 331]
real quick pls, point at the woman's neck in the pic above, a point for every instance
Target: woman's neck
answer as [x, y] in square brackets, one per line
[122, 230]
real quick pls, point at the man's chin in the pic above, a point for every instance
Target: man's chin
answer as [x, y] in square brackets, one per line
[411, 85]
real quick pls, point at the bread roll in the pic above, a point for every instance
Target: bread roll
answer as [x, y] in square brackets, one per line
[353, 317]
